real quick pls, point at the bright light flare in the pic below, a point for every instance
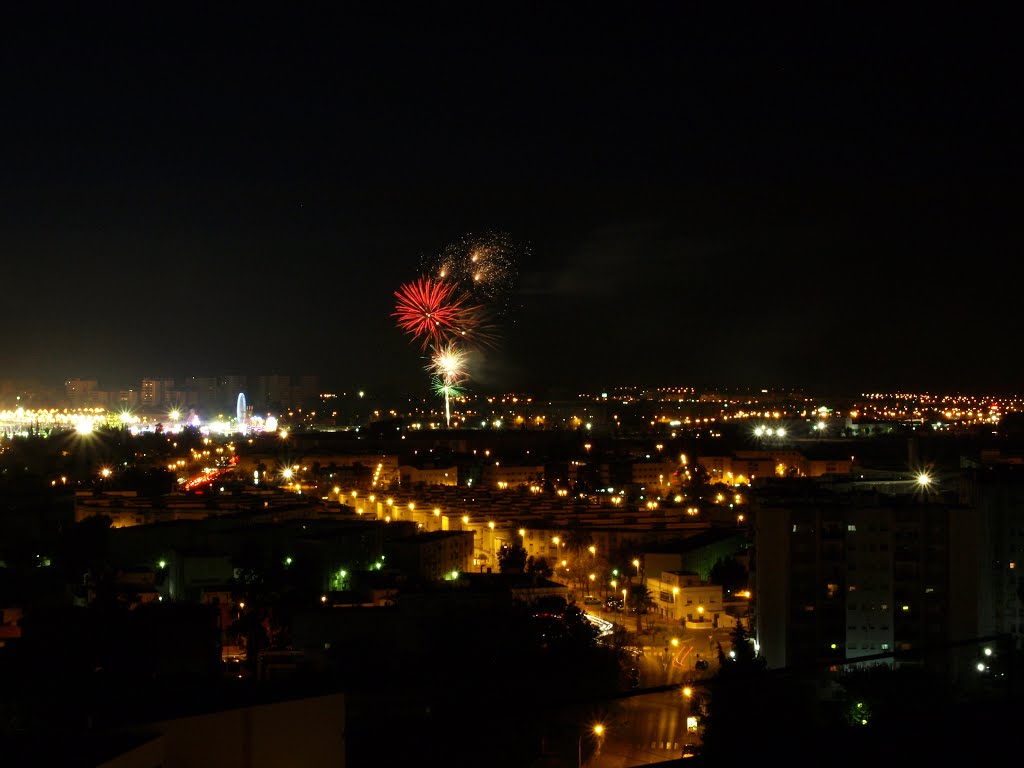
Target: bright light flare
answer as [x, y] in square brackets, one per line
[449, 363]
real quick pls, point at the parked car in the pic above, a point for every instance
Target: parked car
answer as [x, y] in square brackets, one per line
[613, 603]
[591, 600]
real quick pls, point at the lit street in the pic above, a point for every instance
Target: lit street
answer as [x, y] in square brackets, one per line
[651, 728]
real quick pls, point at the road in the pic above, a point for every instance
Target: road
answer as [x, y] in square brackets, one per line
[666, 643]
[652, 727]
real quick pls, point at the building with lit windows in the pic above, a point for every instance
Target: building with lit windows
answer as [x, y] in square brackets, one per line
[153, 392]
[654, 475]
[995, 488]
[842, 577]
[79, 392]
[431, 556]
[502, 475]
[682, 597]
[429, 475]
[743, 467]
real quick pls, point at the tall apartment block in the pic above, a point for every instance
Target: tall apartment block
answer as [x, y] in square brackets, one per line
[79, 392]
[153, 392]
[855, 576]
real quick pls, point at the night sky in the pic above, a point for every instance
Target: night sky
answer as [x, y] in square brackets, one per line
[829, 201]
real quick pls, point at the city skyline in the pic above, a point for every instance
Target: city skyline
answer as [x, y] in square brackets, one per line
[824, 203]
[235, 382]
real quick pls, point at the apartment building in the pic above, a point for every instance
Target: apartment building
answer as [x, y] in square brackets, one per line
[841, 577]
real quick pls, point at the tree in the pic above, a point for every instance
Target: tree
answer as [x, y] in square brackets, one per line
[730, 574]
[83, 550]
[744, 656]
[765, 705]
[580, 632]
[887, 698]
[577, 540]
[538, 567]
[639, 600]
[583, 559]
[695, 482]
[512, 558]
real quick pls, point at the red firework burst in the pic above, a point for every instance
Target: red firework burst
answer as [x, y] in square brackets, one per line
[431, 311]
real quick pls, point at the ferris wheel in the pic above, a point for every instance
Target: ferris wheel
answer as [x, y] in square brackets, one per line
[241, 413]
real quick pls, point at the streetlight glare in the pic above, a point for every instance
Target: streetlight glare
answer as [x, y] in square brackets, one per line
[598, 731]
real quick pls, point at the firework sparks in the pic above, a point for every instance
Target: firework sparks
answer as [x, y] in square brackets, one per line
[455, 305]
[446, 390]
[449, 368]
[449, 363]
[432, 311]
[483, 266]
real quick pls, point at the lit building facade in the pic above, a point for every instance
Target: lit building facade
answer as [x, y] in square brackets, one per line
[847, 577]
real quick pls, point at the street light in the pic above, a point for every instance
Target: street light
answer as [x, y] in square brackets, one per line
[598, 731]
[690, 719]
